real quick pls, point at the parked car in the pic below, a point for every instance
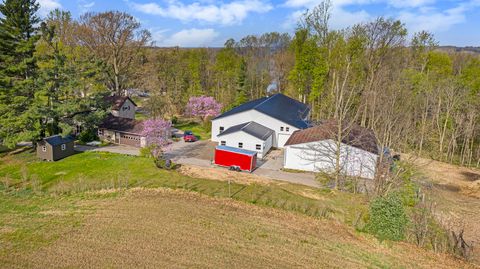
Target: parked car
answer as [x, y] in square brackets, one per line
[188, 136]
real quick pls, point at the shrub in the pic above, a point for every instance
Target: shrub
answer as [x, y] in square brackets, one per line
[174, 120]
[164, 164]
[146, 152]
[87, 135]
[388, 220]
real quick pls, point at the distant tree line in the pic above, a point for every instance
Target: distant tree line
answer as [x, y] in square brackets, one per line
[416, 97]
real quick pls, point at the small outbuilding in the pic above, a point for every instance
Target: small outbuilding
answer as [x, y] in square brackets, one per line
[55, 147]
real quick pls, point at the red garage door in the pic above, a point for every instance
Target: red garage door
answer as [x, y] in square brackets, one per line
[131, 140]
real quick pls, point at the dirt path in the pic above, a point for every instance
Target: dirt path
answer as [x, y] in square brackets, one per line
[164, 228]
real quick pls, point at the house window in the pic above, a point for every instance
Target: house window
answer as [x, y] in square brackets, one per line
[221, 129]
[281, 128]
[100, 132]
[44, 148]
[223, 143]
[258, 146]
[287, 129]
[64, 147]
[240, 145]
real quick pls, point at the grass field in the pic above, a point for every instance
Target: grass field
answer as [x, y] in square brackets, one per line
[160, 228]
[93, 210]
[197, 129]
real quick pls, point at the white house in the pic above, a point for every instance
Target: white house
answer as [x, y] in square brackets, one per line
[122, 106]
[279, 113]
[250, 135]
[314, 149]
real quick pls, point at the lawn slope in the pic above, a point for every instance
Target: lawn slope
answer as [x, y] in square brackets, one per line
[99, 209]
[153, 228]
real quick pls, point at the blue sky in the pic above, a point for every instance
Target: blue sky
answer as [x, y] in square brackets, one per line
[210, 23]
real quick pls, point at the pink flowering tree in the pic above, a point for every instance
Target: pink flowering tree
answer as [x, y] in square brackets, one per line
[156, 133]
[203, 107]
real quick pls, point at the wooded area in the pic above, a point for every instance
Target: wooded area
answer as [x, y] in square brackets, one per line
[415, 96]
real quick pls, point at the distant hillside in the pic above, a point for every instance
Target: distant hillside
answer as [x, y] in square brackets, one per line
[475, 50]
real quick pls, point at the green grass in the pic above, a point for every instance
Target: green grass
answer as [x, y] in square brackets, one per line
[44, 201]
[41, 201]
[100, 170]
[30, 220]
[197, 128]
[140, 116]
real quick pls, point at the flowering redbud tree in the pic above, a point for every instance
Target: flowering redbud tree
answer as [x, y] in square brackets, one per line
[156, 133]
[203, 107]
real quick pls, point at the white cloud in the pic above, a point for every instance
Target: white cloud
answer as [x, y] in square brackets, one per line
[84, 5]
[88, 5]
[292, 20]
[433, 21]
[191, 38]
[226, 13]
[410, 3]
[340, 17]
[48, 5]
[313, 3]
[416, 14]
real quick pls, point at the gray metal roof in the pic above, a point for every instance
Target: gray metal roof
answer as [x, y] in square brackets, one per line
[56, 140]
[252, 128]
[278, 106]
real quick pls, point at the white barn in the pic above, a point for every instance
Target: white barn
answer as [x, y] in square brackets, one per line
[314, 149]
[279, 113]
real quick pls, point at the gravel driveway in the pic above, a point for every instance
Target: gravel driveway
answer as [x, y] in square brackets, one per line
[201, 153]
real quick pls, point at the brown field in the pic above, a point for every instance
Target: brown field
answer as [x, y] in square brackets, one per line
[456, 191]
[160, 228]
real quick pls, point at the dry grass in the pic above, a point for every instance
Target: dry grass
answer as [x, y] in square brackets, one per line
[222, 174]
[456, 191]
[160, 228]
[465, 180]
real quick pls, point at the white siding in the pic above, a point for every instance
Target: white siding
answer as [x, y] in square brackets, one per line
[249, 142]
[320, 156]
[126, 111]
[258, 117]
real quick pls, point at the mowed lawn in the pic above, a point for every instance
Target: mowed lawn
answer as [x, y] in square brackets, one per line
[102, 210]
[198, 129]
[92, 171]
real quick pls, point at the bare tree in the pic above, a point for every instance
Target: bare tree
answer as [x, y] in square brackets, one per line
[117, 39]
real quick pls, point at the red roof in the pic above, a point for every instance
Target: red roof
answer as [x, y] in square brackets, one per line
[355, 135]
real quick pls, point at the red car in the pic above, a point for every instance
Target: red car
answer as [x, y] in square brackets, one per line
[189, 137]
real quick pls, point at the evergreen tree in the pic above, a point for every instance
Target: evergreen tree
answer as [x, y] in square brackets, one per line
[18, 35]
[241, 93]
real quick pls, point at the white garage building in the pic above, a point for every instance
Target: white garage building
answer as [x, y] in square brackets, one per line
[314, 149]
[278, 113]
[250, 135]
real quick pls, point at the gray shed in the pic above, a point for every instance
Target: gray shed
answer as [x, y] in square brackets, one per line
[55, 147]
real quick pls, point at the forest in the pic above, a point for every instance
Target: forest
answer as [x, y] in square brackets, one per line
[416, 97]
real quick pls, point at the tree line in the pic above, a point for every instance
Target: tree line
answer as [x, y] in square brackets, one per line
[414, 96]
